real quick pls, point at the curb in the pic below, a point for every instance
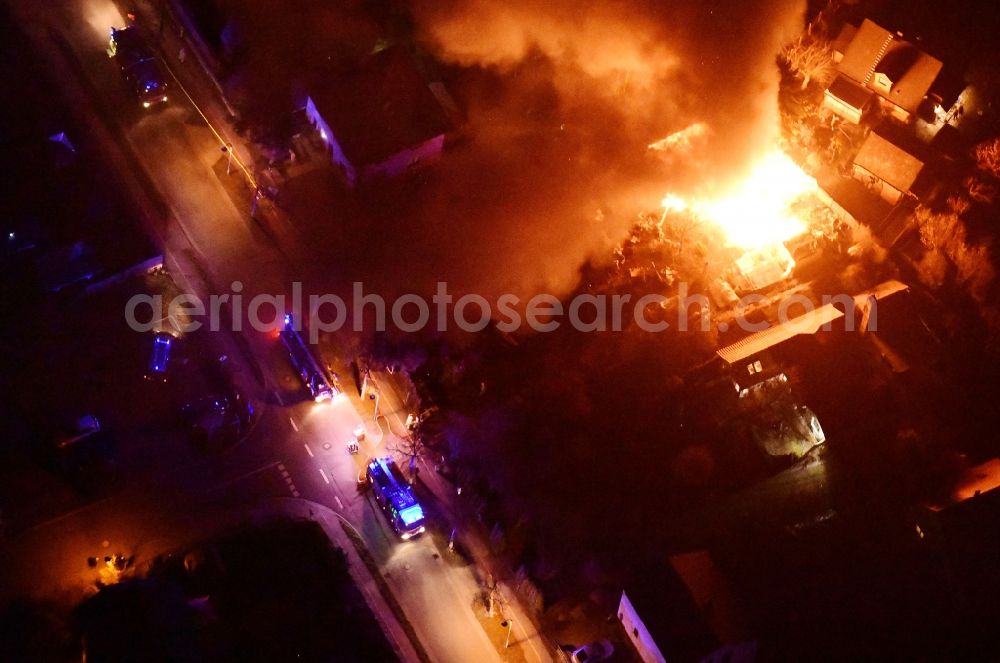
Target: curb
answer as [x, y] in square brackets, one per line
[399, 631]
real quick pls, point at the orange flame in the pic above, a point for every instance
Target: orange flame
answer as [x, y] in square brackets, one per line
[757, 211]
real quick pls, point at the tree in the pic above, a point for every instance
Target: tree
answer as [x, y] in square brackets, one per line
[979, 190]
[938, 230]
[944, 235]
[412, 447]
[974, 269]
[809, 58]
[987, 156]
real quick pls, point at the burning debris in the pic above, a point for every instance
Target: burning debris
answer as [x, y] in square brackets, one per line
[682, 141]
[759, 210]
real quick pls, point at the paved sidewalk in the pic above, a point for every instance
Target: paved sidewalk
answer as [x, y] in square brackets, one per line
[525, 629]
[534, 645]
[327, 518]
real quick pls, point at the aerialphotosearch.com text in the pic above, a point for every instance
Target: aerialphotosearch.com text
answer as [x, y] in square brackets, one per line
[585, 312]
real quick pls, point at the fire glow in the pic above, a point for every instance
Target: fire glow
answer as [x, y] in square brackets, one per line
[757, 211]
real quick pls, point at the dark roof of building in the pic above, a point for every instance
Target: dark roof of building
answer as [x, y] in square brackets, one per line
[667, 609]
[380, 108]
[888, 162]
[974, 482]
[853, 94]
[911, 71]
[856, 200]
[711, 593]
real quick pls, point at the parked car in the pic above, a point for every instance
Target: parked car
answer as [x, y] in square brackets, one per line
[595, 651]
[216, 422]
[160, 357]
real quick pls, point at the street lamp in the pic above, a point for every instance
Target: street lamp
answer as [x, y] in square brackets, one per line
[253, 203]
[509, 623]
[227, 149]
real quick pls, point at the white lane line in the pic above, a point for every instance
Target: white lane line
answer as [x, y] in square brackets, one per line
[308, 450]
[295, 493]
[294, 425]
[277, 397]
[340, 505]
[325, 478]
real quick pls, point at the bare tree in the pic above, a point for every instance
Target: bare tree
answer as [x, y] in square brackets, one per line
[944, 235]
[974, 269]
[809, 58]
[987, 156]
[938, 231]
[412, 447]
[980, 190]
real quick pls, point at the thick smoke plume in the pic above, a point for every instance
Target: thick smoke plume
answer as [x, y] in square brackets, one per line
[564, 99]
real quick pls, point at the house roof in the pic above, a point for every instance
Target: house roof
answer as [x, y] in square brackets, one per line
[865, 51]
[808, 323]
[711, 594]
[852, 197]
[853, 94]
[888, 162]
[844, 37]
[379, 109]
[911, 71]
[670, 614]
[882, 291]
[975, 481]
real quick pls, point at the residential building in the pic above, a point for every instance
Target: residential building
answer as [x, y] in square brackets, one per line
[886, 169]
[684, 611]
[741, 354]
[379, 121]
[880, 67]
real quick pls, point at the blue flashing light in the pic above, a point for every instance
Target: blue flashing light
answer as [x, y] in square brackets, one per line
[411, 515]
[288, 321]
[161, 353]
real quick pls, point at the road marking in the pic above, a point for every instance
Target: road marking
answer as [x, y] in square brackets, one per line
[295, 493]
[294, 425]
[288, 480]
[277, 397]
[308, 450]
[327, 480]
[340, 505]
